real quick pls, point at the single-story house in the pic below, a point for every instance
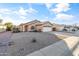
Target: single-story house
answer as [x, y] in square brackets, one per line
[57, 27]
[70, 28]
[39, 26]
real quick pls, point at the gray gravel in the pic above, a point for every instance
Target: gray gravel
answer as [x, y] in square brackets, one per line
[23, 44]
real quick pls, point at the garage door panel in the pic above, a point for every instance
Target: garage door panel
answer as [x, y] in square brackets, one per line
[47, 29]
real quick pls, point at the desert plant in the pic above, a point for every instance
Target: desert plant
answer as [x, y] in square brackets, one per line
[34, 40]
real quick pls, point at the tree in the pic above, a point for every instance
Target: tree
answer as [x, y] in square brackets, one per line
[0, 20]
[9, 26]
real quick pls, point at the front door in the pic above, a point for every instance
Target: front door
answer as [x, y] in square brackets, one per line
[54, 29]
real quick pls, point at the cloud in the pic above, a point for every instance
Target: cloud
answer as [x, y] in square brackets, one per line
[48, 5]
[7, 19]
[1, 16]
[66, 17]
[5, 11]
[22, 17]
[24, 12]
[47, 17]
[61, 7]
[31, 11]
[19, 15]
[21, 12]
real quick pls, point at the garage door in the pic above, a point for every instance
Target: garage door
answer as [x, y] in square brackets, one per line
[47, 29]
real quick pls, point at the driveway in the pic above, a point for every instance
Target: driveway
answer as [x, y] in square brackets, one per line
[24, 42]
[4, 39]
[68, 34]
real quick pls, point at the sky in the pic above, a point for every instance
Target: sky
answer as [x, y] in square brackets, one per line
[60, 13]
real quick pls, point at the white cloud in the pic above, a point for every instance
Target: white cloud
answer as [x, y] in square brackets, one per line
[62, 16]
[31, 11]
[24, 12]
[22, 17]
[21, 12]
[7, 19]
[48, 5]
[1, 16]
[56, 10]
[47, 17]
[61, 7]
[5, 11]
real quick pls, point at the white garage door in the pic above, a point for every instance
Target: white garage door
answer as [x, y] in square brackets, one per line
[47, 29]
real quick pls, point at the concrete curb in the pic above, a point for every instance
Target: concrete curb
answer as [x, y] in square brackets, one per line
[62, 48]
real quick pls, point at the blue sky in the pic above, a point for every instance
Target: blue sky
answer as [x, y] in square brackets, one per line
[61, 13]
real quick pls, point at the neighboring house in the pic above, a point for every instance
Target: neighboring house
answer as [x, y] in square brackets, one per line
[70, 28]
[57, 27]
[40, 26]
[2, 28]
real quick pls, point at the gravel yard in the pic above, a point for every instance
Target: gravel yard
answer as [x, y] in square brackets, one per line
[23, 43]
[28, 42]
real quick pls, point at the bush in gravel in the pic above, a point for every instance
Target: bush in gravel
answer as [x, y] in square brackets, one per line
[34, 40]
[10, 43]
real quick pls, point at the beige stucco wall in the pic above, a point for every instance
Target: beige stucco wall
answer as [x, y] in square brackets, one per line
[58, 27]
[21, 28]
[37, 26]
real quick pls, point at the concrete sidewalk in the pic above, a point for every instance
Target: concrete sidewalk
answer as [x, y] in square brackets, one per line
[65, 47]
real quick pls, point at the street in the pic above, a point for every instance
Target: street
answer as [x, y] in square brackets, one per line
[68, 34]
[4, 39]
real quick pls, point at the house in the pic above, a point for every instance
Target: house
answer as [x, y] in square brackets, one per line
[40, 26]
[36, 25]
[71, 28]
[57, 27]
[2, 28]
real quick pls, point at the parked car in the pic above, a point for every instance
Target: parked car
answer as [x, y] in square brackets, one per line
[65, 29]
[73, 30]
[15, 30]
[33, 31]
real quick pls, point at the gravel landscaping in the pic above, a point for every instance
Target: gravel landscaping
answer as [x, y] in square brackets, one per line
[27, 42]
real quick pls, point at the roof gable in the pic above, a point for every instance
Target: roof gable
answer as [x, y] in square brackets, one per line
[33, 22]
[47, 23]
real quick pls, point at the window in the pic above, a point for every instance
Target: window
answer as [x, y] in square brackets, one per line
[32, 27]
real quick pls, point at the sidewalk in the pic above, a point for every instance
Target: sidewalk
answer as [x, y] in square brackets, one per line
[62, 48]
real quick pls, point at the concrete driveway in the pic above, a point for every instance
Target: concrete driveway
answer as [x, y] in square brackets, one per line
[23, 44]
[68, 34]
